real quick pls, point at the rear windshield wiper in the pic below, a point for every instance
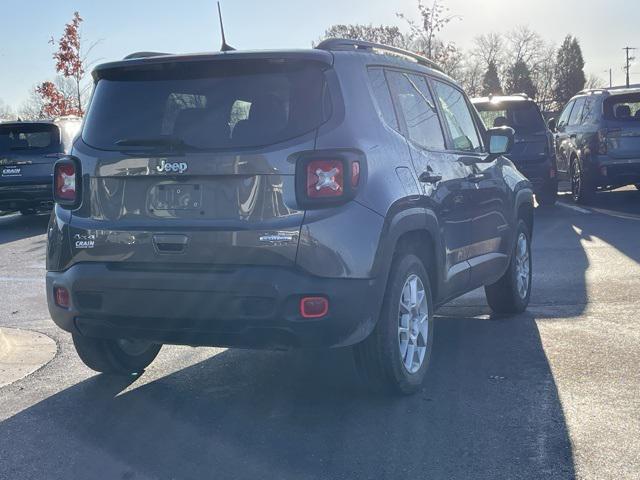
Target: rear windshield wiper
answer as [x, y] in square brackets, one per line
[169, 141]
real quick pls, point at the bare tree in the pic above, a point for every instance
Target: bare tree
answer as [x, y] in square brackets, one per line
[594, 81]
[524, 45]
[433, 19]
[542, 75]
[385, 34]
[472, 75]
[6, 112]
[489, 48]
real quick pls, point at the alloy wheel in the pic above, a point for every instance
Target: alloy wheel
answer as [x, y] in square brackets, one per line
[413, 324]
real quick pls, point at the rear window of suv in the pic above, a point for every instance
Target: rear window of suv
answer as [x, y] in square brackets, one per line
[522, 116]
[623, 107]
[29, 138]
[206, 105]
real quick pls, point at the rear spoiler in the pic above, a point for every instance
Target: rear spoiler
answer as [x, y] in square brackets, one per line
[146, 59]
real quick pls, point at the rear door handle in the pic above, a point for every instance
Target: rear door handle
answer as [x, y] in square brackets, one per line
[429, 177]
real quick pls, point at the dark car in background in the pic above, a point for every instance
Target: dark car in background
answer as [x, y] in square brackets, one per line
[533, 151]
[597, 138]
[28, 151]
[307, 198]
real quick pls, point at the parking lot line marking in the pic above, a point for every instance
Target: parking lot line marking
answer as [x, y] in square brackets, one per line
[22, 279]
[624, 216]
[574, 207]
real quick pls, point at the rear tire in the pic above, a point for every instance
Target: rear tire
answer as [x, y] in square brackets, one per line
[395, 357]
[582, 190]
[119, 357]
[510, 294]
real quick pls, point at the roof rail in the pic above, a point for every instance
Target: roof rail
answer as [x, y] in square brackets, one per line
[349, 44]
[592, 90]
[523, 95]
[144, 55]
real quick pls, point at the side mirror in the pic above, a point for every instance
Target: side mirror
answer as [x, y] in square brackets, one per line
[552, 124]
[500, 140]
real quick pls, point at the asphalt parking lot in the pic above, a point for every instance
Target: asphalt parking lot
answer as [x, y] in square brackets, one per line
[551, 394]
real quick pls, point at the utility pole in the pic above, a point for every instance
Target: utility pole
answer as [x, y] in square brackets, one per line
[610, 77]
[626, 49]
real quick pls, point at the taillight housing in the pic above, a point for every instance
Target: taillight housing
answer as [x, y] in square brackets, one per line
[328, 177]
[66, 182]
[602, 141]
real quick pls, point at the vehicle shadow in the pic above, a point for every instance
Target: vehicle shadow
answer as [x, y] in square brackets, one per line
[17, 227]
[490, 409]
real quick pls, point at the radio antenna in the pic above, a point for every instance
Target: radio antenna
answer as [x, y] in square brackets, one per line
[224, 47]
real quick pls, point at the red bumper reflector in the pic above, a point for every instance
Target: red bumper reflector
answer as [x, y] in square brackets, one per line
[314, 307]
[61, 296]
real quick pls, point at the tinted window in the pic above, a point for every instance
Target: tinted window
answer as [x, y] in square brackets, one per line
[564, 117]
[29, 138]
[383, 96]
[418, 110]
[590, 114]
[206, 105]
[575, 117]
[458, 118]
[623, 107]
[523, 117]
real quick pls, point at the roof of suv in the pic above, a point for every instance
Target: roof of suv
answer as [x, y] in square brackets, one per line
[622, 90]
[517, 97]
[55, 121]
[324, 53]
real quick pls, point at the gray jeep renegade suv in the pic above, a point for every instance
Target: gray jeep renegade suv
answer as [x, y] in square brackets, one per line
[317, 198]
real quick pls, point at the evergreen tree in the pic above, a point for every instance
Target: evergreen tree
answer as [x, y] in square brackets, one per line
[490, 81]
[569, 71]
[519, 80]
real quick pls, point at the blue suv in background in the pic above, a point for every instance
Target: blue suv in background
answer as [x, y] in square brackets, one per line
[28, 151]
[533, 150]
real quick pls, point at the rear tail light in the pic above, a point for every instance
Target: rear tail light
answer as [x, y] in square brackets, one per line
[328, 177]
[325, 178]
[602, 141]
[66, 182]
[313, 307]
[61, 296]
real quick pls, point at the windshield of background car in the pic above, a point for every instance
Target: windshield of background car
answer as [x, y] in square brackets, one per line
[207, 105]
[29, 138]
[523, 117]
[623, 107]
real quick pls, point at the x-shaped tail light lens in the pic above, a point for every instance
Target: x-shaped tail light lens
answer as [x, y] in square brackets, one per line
[325, 178]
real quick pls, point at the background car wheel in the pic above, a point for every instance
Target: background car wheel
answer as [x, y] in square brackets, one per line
[511, 293]
[121, 357]
[396, 355]
[581, 189]
[548, 195]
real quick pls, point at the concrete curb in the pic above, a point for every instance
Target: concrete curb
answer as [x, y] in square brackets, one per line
[23, 352]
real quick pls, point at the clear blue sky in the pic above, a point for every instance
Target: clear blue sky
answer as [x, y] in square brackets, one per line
[191, 25]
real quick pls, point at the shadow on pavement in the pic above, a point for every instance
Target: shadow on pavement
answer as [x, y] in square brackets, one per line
[490, 409]
[16, 227]
[561, 261]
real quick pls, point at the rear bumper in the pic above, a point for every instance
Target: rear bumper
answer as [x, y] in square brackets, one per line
[252, 307]
[541, 174]
[609, 171]
[15, 197]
